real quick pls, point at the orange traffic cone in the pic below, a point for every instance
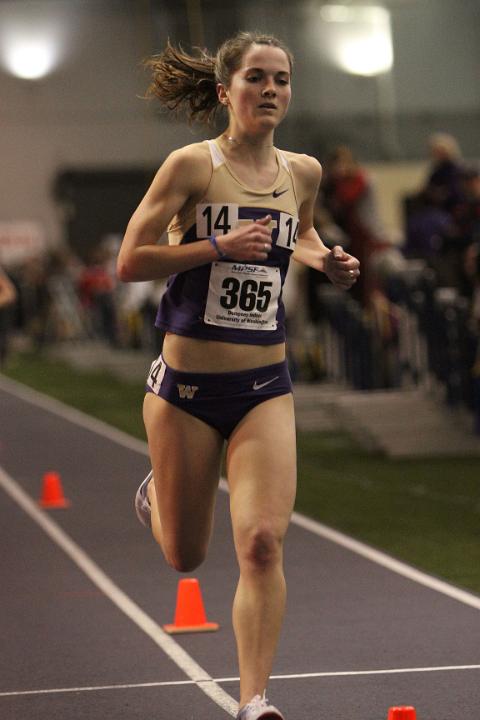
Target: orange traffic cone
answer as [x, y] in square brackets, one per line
[190, 613]
[405, 712]
[52, 492]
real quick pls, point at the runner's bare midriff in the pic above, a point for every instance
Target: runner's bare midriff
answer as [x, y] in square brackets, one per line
[194, 355]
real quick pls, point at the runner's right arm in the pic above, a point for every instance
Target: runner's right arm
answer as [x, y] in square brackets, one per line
[184, 175]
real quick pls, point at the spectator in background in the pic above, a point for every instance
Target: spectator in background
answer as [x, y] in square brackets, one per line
[443, 188]
[8, 296]
[35, 299]
[467, 212]
[97, 293]
[131, 303]
[154, 335]
[347, 194]
[66, 319]
[472, 272]
[464, 231]
[304, 303]
[431, 214]
[345, 188]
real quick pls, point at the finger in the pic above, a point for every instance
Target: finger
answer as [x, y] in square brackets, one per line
[260, 250]
[337, 252]
[259, 233]
[345, 278]
[264, 221]
[351, 262]
[264, 248]
[263, 234]
[263, 241]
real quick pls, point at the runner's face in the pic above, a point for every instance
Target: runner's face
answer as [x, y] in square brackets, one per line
[259, 93]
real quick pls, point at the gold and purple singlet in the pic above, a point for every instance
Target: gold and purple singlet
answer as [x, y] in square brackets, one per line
[228, 300]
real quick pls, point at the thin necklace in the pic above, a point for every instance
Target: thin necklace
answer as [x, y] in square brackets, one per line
[231, 139]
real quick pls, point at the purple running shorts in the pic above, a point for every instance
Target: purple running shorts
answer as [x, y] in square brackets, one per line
[219, 399]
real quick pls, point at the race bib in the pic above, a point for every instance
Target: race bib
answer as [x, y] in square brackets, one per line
[156, 374]
[216, 219]
[287, 231]
[243, 296]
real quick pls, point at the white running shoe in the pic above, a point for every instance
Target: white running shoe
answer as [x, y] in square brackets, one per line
[142, 504]
[258, 708]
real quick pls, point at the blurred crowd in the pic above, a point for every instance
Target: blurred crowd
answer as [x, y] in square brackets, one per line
[443, 219]
[60, 298]
[57, 298]
[439, 249]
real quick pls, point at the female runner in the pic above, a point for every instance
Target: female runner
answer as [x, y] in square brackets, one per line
[237, 209]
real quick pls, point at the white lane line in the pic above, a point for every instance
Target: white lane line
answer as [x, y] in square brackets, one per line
[98, 688]
[392, 671]
[177, 654]
[297, 676]
[386, 561]
[77, 417]
[376, 556]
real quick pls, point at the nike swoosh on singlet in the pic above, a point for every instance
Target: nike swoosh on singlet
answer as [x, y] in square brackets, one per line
[277, 193]
[258, 386]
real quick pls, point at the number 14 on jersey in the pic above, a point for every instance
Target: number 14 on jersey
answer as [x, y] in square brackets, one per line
[218, 219]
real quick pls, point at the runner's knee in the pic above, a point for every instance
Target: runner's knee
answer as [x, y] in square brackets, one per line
[259, 549]
[184, 558]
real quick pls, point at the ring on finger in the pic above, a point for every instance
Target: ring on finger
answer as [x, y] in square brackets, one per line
[266, 247]
[351, 273]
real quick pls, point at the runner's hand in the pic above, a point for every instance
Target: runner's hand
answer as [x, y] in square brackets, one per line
[249, 242]
[341, 268]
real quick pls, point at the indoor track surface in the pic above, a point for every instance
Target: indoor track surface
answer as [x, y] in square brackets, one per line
[85, 593]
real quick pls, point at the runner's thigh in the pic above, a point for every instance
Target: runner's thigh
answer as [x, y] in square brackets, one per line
[261, 467]
[185, 454]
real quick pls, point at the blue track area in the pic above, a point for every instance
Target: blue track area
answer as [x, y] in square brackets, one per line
[85, 592]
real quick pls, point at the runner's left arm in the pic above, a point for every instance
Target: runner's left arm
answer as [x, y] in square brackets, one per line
[341, 268]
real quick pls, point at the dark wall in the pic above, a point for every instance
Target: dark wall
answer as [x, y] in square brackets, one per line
[97, 203]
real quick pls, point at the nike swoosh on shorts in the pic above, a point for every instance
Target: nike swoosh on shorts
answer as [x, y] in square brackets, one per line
[259, 386]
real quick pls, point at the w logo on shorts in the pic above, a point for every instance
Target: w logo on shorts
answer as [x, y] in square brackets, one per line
[187, 392]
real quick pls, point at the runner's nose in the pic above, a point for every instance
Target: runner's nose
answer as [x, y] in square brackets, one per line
[268, 91]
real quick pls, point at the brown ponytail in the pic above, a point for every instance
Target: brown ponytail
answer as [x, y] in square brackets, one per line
[184, 82]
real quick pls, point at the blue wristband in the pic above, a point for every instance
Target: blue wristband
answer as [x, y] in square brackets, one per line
[213, 241]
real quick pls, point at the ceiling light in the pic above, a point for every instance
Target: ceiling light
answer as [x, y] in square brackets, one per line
[29, 58]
